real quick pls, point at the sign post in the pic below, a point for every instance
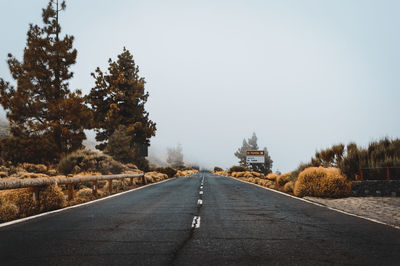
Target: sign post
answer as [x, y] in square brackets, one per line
[253, 157]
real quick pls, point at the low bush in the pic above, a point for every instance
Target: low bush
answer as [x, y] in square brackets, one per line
[288, 187]
[272, 176]
[322, 182]
[8, 211]
[89, 161]
[238, 168]
[35, 168]
[166, 170]
[218, 169]
[51, 198]
[281, 180]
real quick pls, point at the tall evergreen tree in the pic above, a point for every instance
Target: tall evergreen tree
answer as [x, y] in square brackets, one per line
[41, 106]
[118, 98]
[251, 144]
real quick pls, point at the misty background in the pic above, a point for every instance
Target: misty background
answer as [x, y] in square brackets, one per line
[302, 75]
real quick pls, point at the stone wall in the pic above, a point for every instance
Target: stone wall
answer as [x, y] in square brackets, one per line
[376, 188]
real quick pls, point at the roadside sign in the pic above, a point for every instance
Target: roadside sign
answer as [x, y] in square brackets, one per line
[255, 157]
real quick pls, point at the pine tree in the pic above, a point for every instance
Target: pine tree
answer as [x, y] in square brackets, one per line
[118, 145]
[41, 106]
[118, 98]
[251, 144]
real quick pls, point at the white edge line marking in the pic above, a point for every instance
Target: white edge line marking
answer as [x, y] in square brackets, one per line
[318, 204]
[79, 205]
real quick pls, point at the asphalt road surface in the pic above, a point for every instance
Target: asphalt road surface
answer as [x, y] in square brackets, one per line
[173, 223]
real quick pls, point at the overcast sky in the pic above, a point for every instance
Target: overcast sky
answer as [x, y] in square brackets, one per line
[302, 75]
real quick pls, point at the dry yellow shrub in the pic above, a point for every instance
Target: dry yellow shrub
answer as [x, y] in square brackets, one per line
[288, 187]
[240, 174]
[23, 199]
[156, 176]
[283, 179]
[257, 180]
[85, 193]
[51, 198]
[272, 176]
[263, 182]
[256, 174]
[251, 180]
[322, 182]
[35, 168]
[223, 173]
[248, 174]
[8, 211]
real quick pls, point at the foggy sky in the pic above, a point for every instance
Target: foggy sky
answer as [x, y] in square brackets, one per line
[302, 75]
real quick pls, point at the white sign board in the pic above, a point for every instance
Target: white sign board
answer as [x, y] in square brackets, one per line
[255, 157]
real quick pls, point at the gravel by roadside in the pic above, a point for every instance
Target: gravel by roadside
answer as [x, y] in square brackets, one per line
[384, 209]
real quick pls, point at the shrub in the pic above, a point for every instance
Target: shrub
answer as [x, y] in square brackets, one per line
[166, 170]
[322, 182]
[8, 211]
[283, 179]
[32, 150]
[272, 176]
[218, 169]
[288, 187]
[89, 161]
[22, 198]
[51, 198]
[35, 168]
[237, 168]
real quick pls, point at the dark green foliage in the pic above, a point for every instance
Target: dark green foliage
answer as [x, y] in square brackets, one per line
[251, 144]
[238, 168]
[119, 145]
[350, 159]
[330, 157]
[89, 161]
[36, 149]
[218, 169]
[41, 106]
[118, 99]
[166, 170]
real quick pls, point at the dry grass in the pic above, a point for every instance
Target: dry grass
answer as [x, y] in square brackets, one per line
[322, 182]
[23, 199]
[283, 179]
[8, 211]
[51, 198]
[288, 187]
[272, 176]
[185, 173]
[35, 168]
[223, 173]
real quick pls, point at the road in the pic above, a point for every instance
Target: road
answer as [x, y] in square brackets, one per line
[238, 224]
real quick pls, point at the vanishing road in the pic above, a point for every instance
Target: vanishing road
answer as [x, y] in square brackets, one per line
[202, 220]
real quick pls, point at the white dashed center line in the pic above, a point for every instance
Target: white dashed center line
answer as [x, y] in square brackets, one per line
[200, 202]
[196, 222]
[201, 192]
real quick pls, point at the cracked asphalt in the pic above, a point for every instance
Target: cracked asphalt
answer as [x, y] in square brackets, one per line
[237, 224]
